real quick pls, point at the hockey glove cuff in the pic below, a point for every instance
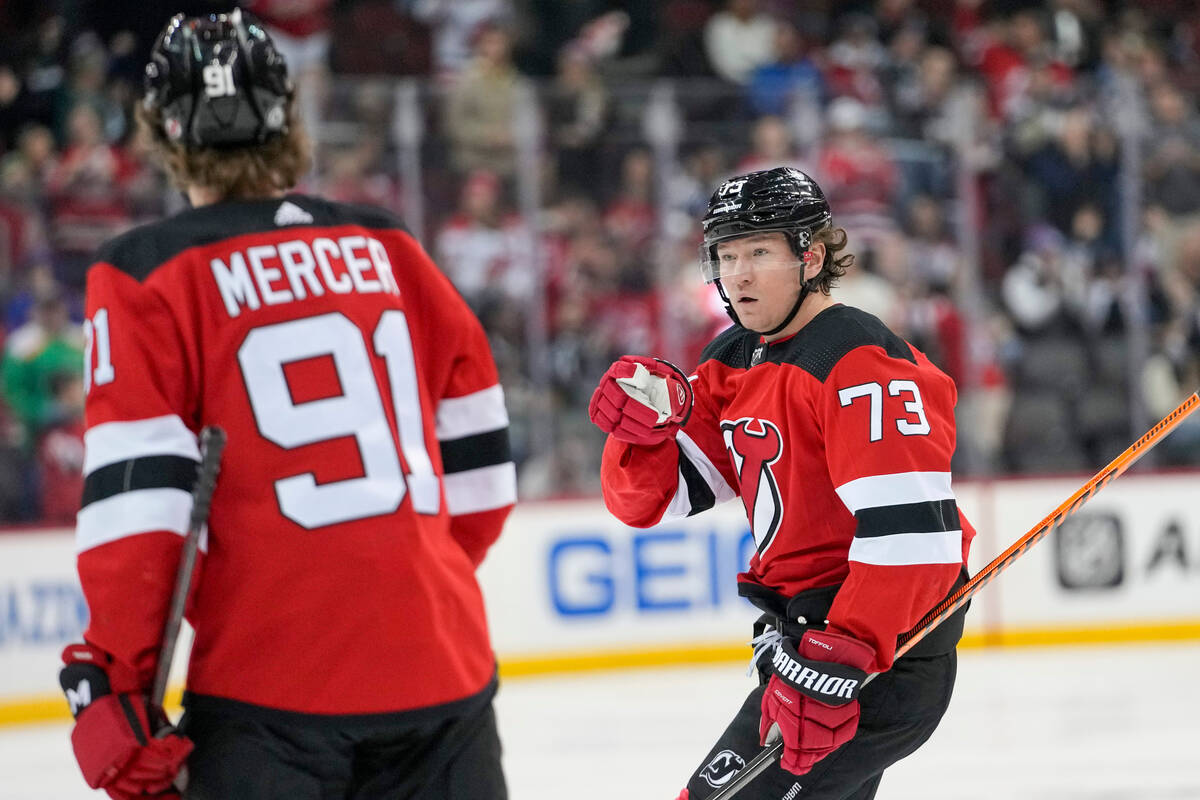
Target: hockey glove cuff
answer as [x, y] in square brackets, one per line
[812, 696]
[641, 400]
[123, 745]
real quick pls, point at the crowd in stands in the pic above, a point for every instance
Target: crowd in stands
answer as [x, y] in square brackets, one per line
[1020, 182]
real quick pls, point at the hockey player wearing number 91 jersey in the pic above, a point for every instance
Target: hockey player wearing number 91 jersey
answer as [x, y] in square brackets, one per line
[837, 435]
[341, 648]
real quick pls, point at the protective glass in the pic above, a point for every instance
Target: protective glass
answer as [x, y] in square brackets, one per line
[757, 254]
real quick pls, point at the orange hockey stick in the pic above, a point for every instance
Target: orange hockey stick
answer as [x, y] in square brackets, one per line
[908, 640]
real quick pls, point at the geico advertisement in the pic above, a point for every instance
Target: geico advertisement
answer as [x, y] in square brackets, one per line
[566, 575]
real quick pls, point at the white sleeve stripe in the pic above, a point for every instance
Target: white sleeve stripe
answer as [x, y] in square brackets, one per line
[681, 503]
[470, 414]
[896, 489]
[111, 442]
[481, 489]
[131, 513]
[712, 476]
[902, 549]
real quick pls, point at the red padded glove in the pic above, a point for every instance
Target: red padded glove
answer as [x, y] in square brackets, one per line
[122, 744]
[641, 400]
[812, 697]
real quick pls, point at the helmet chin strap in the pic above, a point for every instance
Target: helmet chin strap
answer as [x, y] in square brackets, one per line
[805, 288]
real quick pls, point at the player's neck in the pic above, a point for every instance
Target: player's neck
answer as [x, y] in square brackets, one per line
[813, 304]
[204, 196]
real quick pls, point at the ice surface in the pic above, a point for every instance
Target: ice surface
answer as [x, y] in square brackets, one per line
[1084, 723]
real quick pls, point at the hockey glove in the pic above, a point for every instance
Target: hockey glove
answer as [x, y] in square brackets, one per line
[812, 696]
[641, 400]
[122, 744]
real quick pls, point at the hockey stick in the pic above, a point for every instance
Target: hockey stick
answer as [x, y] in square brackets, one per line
[212, 442]
[938, 614]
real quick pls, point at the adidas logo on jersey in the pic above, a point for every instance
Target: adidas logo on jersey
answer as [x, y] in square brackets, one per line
[289, 213]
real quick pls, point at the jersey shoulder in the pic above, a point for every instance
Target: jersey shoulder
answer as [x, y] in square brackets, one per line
[834, 334]
[732, 347]
[141, 250]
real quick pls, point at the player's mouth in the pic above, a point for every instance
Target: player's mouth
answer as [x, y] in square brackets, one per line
[745, 301]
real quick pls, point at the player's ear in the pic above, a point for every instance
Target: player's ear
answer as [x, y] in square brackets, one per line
[814, 259]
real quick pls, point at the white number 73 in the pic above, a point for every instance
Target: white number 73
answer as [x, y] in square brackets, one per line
[875, 392]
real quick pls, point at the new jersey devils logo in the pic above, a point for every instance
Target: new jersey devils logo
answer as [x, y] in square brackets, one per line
[724, 765]
[755, 444]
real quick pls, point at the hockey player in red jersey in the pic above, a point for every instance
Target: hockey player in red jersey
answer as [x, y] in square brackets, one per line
[341, 648]
[837, 435]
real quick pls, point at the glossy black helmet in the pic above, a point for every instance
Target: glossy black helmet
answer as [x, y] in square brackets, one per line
[218, 81]
[781, 199]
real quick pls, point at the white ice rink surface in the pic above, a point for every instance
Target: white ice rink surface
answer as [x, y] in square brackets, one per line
[1084, 723]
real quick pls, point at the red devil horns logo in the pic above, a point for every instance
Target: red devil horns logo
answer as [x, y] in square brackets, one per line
[754, 445]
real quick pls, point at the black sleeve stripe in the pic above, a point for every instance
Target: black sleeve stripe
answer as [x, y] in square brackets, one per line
[700, 494]
[933, 516]
[472, 452]
[150, 472]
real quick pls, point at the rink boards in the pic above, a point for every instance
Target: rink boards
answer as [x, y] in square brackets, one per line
[569, 588]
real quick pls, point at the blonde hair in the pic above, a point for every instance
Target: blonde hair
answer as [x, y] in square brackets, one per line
[834, 265]
[253, 170]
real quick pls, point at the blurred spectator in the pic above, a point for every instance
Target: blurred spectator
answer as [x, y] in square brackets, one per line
[933, 257]
[481, 105]
[1173, 156]
[482, 249]
[1017, 50]
[771, 145]
[88, 84]
[354, 174]
[41, 72]
[1079, 166]
[704, 166]
[777, 86]
[377, 37]
[920, 100]
[855, 59]
[11, 113]
[631, 218]
[739, 39]
[87, 194]
[60, 450]
[578, 111]
[46, 346]
[300, 29]
[857, 173]
[1036, 292]
[455, 25]
[25, 171]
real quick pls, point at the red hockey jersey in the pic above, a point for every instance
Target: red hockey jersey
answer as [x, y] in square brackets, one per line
[366, 473]
[838, 440]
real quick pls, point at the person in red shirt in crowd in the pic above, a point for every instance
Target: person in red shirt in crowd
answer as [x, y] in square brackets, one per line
[837, 435]
[60, 452]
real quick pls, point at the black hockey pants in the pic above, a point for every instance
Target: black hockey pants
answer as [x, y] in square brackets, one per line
[241, 756]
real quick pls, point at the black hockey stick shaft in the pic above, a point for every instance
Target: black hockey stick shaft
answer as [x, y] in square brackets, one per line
[212, 442]
[770, 754]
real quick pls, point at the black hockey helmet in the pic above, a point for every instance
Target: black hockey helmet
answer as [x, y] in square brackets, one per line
[218, 81]
[781, 199]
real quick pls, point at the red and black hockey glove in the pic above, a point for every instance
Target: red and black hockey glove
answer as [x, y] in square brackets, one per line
[812, 696]
[115, 739]
[641, 400]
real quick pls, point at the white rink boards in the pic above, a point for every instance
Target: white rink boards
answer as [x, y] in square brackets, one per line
[1073, 723]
